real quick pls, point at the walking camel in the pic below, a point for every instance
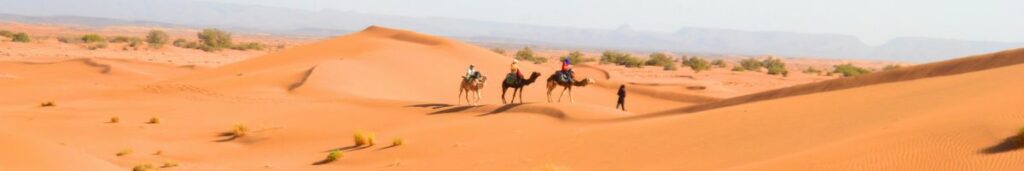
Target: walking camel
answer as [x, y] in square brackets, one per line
[471, 86]
[553, 81]
[517, 87]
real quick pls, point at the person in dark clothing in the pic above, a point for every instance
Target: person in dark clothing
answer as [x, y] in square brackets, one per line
[622, 98]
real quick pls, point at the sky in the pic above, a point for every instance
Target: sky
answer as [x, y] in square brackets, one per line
[873, 21]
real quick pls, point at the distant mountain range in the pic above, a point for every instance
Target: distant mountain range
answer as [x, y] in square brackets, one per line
[253, 18]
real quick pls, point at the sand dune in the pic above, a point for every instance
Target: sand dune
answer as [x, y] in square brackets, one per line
[302, 102]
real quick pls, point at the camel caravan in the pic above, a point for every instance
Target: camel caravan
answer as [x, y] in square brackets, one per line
[474, 81]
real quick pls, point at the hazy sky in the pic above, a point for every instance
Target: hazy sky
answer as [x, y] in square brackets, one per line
[874, 21]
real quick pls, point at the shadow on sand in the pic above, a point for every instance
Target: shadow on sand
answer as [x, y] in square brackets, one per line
[1009, 144]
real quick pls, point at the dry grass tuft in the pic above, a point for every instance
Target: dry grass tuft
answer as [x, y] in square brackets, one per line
[398, 142]
[143, 167]
[239, 130]
[47, 104]
[115, 119]
[124, 152]
[363, 139]
[154, 120]
[169, 164]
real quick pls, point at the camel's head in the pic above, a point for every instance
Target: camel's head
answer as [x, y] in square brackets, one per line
[534, 74]
[585, 82]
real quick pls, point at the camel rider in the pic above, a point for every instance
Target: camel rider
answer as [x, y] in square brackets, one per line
[471, 73]
[567, 73]
[515, 69]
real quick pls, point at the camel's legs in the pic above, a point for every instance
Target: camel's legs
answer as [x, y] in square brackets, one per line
[460, 97]
[549, 92]
[571, 100]
[503, 90]
[562, 94]
[521, 95]
[477, 97]
[514, 92]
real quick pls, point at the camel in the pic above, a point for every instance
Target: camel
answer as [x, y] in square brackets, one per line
[554, 81]
[471, 86]
[517, 87]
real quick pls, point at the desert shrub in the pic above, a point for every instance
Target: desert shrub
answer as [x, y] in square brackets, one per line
[93, 38]
[143, 167]
[738, 68]
[891, 67]
[811, 70]
[47, 104]
[751, 64]
[526, 54]
[619, 58]
[398, 142]
[332, 156]
[20, 37]
[239, 131]
[363, 139]
[850, 70]
[775, 66]
[697, 64]
[180, 43]
[158, 152]
[169, 164]
[6, 33]
[669, 67]
[115, 119]
[69, 40]
[157, 38]
[577, 58]
[124, 152]
[248, 46]
[154, 120]
[214, 39]
[122, 39]
[498, 51]
[718, 63]
[658, 59]
[94, 46]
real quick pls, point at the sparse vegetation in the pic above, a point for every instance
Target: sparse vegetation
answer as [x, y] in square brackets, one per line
[115, 119]
[658, 59]
[122, 39]
[498, 51]
[697, 64]
[248, 46]
[214, 40]
[239, 131]
[397, 142]
[6, 33]
[158, 152]
[180, 43]
[577, 58]
[619, 58]
[157, 38]
[718, 63]
[20, 37]
[526, 54]
[669, 67]
[775, 66]
[169, 164]
[47, 104]
[850, 70]
[124, 152]
[891, 67]
[750, 64]
[363, 139]
[332, 156]
[93, 38]
[154, 120]
[143, 167]
[811, 70]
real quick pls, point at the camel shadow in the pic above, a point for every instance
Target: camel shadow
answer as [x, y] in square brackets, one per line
[431, 105]
[504, 108]
[322, 162]
[388, 147]
[1009, 144]
[453, 110]
[226, 136]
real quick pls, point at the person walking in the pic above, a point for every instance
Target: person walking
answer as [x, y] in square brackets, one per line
[622, 98]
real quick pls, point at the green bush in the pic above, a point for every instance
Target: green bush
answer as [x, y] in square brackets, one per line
[122, 39]
[21, 37]
[6, 33]
[811, 70]
[93, 38]
[619, 58]
[697, 64]
[718, 63]
[669, 67]
[157, 38]
[248, 46]
[658, 59]
[751, 65]
[775, 66]
[214, 39]
[526, 54]
[849, 70]
[577, 58]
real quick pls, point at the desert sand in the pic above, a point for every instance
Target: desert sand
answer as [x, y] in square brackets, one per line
[304, 101]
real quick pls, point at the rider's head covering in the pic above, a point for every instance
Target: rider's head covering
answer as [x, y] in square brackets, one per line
[470, 66]
[515, 61]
